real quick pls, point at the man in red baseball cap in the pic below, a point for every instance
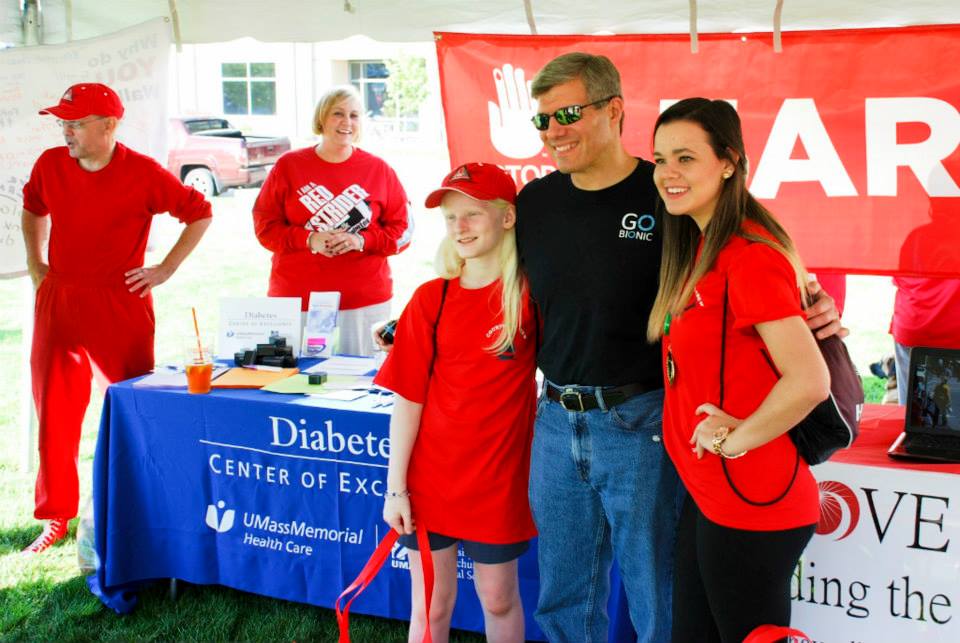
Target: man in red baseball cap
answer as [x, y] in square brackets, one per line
[85, 99]
[94, 309]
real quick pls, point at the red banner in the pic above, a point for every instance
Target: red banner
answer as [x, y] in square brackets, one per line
[852, 136]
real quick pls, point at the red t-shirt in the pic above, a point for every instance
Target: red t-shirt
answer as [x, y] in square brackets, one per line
[470, 464]
[762, 287]
[101, 220]
[304, 193]
[926, 312]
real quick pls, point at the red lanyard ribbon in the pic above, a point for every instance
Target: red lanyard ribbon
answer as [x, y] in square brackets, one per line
[370, 570]
[773, 633]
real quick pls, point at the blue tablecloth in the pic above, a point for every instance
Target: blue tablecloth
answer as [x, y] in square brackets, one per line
[258, 492]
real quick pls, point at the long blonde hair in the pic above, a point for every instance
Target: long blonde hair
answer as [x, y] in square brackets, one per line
[449, 265]
[680, 270]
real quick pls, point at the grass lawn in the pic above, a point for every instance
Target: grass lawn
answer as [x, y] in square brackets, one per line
[46, 598]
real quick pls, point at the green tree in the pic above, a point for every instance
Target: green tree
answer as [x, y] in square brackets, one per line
[406, 85]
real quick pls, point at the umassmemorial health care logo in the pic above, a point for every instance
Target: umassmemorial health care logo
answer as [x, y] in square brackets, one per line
[839, 509]
[220, 522]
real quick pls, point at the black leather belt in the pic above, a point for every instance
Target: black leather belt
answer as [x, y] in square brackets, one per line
[584, 398]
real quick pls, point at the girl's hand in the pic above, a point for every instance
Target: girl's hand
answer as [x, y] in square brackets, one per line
[397, 514]
[715, 420]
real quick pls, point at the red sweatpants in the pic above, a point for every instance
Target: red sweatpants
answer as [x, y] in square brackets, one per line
[80, 331]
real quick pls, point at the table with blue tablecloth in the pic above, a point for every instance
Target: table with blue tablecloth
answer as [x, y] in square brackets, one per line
[279, 495]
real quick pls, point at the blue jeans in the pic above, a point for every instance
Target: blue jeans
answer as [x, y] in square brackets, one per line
[601, 485]
[901, 359]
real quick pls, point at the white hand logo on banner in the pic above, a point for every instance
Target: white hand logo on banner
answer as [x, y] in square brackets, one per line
[511, 131]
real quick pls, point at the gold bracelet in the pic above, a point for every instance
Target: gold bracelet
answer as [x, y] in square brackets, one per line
[719, 437]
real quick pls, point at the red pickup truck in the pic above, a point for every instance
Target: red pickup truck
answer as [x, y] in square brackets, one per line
[211, 155]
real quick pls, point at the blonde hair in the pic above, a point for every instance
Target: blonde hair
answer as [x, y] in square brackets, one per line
[449, 265]
[680, 269]
[330, 99]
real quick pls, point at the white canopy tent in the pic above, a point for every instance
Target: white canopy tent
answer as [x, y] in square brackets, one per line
[201, 21]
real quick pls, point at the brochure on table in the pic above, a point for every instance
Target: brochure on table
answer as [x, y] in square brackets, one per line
[320, 331]
[248, 321]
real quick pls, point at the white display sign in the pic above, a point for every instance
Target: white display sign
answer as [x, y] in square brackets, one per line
[248, 321]
[321, 326]
[884, 566]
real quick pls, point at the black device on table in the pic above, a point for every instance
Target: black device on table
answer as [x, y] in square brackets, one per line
[387, 332]
[932, 421]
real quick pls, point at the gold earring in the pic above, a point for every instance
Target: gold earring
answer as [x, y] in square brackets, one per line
[727, 175]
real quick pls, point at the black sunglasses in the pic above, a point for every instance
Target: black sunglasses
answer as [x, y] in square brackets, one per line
[566, 115]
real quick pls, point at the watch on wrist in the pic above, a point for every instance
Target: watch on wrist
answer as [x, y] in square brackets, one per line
[362, 241]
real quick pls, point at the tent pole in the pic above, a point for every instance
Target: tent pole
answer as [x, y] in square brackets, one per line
[694, 39]
[528, 9]
[31, 22]
[26, 393]
[175, 17]
[68, 16]
[777, 44]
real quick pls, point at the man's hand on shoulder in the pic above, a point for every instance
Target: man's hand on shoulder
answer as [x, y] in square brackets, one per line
[823, 318]
[147, 278]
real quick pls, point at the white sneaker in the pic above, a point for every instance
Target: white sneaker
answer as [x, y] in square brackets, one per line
[53, 531]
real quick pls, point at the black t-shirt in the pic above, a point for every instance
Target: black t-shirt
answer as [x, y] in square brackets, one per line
[593, 260]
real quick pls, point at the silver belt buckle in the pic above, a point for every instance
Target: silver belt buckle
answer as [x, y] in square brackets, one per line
[568, 396]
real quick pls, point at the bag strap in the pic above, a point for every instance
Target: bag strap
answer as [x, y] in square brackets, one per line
[436, 325]
[370, 570]
[723, 461]
[773, 633]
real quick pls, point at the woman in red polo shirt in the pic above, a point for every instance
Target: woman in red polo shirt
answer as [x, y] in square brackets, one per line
[462, 367]
[729, 308]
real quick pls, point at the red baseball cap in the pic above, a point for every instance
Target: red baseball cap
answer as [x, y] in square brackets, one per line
[481, 181]
[86, 99]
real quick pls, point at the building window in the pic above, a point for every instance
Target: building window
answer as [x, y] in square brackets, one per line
[370, 79]
[249, 88]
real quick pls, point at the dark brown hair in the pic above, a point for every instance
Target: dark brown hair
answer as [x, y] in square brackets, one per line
[680, 270]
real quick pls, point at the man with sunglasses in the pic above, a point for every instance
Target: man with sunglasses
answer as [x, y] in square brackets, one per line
[601, 484]
[94, 309]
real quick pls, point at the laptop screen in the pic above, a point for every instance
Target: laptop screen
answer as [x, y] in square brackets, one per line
[933, 399]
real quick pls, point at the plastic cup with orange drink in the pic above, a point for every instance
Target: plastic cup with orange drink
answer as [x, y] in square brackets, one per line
[199, 366]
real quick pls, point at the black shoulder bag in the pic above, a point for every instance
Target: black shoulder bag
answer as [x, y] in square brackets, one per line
[832, 425]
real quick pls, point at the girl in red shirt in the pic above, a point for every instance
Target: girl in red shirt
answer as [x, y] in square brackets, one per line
[729, 309]
[462, 367]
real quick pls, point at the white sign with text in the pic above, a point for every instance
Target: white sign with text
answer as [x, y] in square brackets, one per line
[887, 565]
[248, 321]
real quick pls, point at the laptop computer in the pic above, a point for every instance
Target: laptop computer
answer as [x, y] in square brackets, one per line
[932, 422]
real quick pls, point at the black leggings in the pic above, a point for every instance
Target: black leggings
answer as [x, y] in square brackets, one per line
[728, 581]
